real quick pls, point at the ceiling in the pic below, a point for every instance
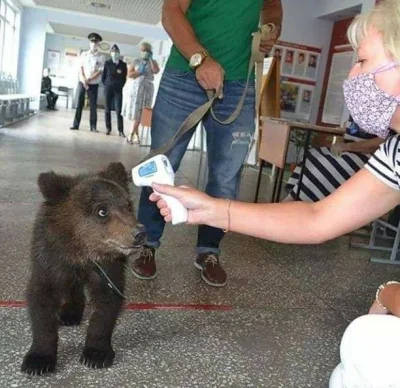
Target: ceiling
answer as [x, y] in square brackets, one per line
[142, 11]
[82, 32]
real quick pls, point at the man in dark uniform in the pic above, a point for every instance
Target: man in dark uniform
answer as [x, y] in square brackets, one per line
[114, 78]
[46, 89]
[91, 67]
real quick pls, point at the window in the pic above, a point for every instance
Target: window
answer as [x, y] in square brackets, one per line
[9, 37]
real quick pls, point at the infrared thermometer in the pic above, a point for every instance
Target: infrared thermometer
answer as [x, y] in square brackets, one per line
[158, 169]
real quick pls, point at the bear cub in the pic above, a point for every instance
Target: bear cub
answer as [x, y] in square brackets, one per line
[84, 219]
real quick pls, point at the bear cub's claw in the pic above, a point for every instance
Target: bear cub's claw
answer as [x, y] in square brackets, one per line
[36, 364]
[68, 318]
[95, 358]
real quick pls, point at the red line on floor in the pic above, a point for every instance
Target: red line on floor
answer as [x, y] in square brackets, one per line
[161, 306]
[143, 306]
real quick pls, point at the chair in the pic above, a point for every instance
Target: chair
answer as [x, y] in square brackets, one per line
[384, 237]
[63, 91]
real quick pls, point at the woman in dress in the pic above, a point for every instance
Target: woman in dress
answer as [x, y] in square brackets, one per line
[139, 90]
[327, 168]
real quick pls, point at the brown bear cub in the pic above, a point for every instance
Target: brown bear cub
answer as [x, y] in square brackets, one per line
[84, 220]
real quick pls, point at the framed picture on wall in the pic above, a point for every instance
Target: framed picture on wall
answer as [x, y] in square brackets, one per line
[53, 61]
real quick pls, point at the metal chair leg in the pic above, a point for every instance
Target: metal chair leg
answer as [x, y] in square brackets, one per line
[260, 170]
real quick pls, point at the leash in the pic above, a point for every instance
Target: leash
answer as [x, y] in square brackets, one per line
[106, 278]
[257, 61]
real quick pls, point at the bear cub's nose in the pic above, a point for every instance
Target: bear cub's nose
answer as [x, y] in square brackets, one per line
[139, 234]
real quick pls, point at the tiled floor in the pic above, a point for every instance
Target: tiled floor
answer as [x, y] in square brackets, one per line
[281, 315]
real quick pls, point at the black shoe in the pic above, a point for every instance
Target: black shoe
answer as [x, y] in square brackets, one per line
[121, 134]
[74, 128]
[108, 133]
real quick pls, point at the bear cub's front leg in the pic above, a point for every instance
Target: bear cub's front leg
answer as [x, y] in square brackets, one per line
[43, 305]
[98, 352]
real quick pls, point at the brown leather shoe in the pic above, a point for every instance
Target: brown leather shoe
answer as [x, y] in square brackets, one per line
[211, 271]
[144, 267]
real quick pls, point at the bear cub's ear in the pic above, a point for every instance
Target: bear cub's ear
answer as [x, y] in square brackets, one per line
[116, 172]
[55, 187]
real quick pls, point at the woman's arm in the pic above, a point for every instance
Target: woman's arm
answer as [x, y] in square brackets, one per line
[361, 199]
[154, 66]
[365, 146]
[132, 73]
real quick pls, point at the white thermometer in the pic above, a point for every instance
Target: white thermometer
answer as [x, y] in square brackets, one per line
[158, 169]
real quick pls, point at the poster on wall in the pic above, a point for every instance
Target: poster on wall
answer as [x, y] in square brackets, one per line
[53, 61]
[300, 64]
[298, 60]
[342, 61]
[289, 95]
[287, 65]
[296, 98]
[70, 66]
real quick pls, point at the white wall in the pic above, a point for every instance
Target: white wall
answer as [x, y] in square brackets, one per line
[33, 35]
[301, 26]
[61, 43]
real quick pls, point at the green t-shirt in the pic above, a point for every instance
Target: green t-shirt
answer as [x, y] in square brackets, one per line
[224, 28]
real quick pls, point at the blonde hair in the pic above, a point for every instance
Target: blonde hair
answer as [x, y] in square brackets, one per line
[385, 18]
[146, 45]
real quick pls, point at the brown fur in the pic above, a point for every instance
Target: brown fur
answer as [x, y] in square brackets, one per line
[83, 218]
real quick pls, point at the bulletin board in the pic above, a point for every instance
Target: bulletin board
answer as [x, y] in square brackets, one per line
[299, 68]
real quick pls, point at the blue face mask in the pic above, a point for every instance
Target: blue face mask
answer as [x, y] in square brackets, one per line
[115, 56]
[145, 55]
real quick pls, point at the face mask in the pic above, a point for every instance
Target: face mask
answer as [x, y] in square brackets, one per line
[370, 107]
[145, 55]
[115, 56]
[93, 46]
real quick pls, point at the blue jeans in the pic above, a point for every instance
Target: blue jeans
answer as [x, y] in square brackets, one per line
[227, 145]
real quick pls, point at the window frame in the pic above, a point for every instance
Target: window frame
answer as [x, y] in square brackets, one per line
[15, 24]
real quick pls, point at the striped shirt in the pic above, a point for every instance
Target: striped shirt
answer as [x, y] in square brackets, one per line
[385, 163]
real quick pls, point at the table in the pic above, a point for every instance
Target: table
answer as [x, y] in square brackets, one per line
[274, 145]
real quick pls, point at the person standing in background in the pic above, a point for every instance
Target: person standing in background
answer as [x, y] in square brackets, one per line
[91, 67]
[114, 78]
[46, 89]
[139, 90]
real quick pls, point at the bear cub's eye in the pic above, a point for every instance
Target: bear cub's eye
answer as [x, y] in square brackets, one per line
[102, 212]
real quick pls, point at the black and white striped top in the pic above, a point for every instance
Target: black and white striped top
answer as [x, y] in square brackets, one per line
[385, 163]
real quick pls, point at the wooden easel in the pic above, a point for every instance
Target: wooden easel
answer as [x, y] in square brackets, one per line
[270, 106]
[271, 91]
[270, 99]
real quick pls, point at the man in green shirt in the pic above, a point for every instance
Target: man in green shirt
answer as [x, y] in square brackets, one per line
[211, 51]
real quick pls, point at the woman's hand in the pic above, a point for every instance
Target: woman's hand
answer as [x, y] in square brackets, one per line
[376, 309]
[200, 206]
[338, 148]
[390, 298]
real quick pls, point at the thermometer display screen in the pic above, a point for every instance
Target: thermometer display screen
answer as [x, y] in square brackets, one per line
[148, 169]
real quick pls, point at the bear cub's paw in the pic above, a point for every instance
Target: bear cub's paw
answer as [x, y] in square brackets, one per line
[96, 358]
[70, 318]
[36, 364]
